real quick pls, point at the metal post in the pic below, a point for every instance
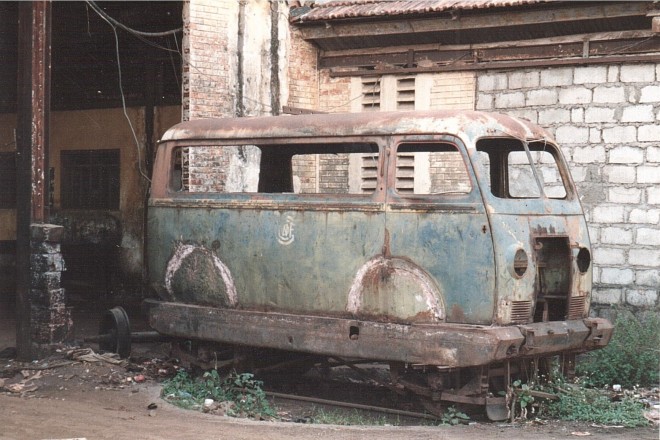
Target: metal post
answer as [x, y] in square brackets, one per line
[34, 58]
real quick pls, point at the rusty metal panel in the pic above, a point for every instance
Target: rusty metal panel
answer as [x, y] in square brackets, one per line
[342, 9]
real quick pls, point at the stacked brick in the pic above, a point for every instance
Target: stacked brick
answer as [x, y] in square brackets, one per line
[50, 318]
[606, 118]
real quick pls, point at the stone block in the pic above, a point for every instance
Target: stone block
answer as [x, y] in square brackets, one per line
[575, 95]
[607, 296]
[45, 247]
[638, 73]
[554, 116]
[648, 278]
[46, 233]
[612, 235]
[48, 297]
[492, 81]
[616, 276]
[510, 100]
[485, 102]
[627, 155]
[595, 135]
[609, 256]
[590, 74]
[608, 214]
[568, 134]
[644, 216]
[648, 236]
[638, 113]
[648, 174]
[653, 196]
[613, 74]
[542, 97]
[619, 134]
[605, 95]
[589, 154]
[650, 94]
[577, 114]
[644, 257]
[642, 298]
[599, 114]
[557, 77]
[653, 154]
[620, 174]
[620, 194]
[47, 262]
[523, 80]
[45, 280]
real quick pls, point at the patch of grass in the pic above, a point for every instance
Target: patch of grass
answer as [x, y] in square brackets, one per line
[350, 418]
[592, 405]
[632, 356]
[243, 393]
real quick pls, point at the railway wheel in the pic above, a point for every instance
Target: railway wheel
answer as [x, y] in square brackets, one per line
[115, 332]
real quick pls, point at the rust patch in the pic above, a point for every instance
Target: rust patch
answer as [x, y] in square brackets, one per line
[456, 314]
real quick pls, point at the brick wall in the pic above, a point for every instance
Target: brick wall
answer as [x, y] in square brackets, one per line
[606, 120]
[302, 72]
[210, 59]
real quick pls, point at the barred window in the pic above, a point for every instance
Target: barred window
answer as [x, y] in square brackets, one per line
[90, 179]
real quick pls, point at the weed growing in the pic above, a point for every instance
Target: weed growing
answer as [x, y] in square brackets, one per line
[350, 418]
[632, 356]
[593, 405]
[243, 395]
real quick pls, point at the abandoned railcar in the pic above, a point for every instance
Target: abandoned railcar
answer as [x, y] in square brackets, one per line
[451, 245]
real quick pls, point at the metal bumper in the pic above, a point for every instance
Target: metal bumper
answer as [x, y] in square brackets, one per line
[444, 344]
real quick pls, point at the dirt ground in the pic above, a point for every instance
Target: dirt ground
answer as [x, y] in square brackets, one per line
[63, 398]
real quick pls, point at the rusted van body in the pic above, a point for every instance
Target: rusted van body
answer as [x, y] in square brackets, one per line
[436, 239]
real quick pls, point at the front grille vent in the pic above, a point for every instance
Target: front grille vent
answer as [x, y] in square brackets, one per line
[576, 307]
[521, 312]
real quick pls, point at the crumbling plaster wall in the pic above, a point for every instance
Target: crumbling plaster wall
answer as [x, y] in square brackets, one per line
[92, 130]
[606, 119]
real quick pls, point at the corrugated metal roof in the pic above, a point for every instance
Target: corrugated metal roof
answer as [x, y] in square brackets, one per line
[342, 9]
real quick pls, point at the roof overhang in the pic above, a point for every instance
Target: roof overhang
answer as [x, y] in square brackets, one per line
[439, 35]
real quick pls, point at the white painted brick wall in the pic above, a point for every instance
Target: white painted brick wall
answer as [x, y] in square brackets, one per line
[589, 75]
[650, 94]
[648, 237]
[612, 235]
[608, 296]
[619, 135]
[638, 73]
[607, 120]
[642, 298]
[609, 256]
[648, 174]
[608, 214]
[632, 155]
[653, 194]
[653, 154]
[644, 257]
[608, 94]
[575, 95]
[613, 275]
[620, 174]
[638, 113]
[649, 277]
[619, 194]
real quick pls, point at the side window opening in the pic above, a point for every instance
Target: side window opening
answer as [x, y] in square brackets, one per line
[430, 168]
[272, 169]
[511, 173]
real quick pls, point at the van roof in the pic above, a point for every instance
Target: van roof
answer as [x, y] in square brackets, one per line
[464, 124]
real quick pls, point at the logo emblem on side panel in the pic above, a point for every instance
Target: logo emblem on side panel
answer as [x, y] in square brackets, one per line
[285, 234]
